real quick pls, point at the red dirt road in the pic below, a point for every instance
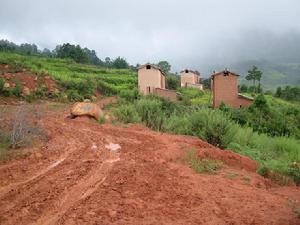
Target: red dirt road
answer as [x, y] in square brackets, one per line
[74, 179]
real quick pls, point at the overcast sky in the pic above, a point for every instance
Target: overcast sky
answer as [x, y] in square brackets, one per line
[187, 33]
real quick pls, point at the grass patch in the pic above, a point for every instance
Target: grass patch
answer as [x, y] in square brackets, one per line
[246, 179]
[275, 155]
[231, 175]
[102, 120]
[207, 166]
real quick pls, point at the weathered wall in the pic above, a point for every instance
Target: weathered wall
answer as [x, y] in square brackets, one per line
[165, 93]
[199, 86]
[243, 102]
[152, 78]
[225, 88]
[188, 78]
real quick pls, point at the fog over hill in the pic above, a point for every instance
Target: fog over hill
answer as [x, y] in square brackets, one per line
[203, 35]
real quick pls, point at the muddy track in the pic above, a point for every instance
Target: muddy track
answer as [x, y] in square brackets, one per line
[74, 179]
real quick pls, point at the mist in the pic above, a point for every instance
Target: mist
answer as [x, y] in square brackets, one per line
[202, 35]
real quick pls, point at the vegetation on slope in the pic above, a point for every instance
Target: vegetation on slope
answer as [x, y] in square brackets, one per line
[278, 156]
[78, 81]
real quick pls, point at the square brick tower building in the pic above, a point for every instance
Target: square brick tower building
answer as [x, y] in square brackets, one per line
[224, 86]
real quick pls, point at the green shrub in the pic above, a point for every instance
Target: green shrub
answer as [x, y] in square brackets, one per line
[30, 98]
[2, 82]
[41, 92]
[150, 111]
[102, 120]
[74, 96]
[127, 114]
[208, 166]
[17, 90]
[178, 125]
[130, 95]
[7, 92]
[213, 126]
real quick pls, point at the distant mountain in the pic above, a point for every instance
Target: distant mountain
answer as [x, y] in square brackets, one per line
[274, 74]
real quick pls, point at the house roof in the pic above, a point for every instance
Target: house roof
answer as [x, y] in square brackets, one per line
[225, 71]
[192, 71]
[245, 97]
[152, 66]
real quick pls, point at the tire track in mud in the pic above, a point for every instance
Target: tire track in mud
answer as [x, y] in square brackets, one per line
[84, 183]
[80, 191]
[17, 196]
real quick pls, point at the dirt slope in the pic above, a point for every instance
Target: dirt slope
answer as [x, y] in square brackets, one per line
[74, 179]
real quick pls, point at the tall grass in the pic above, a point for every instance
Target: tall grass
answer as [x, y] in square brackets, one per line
[276, 155]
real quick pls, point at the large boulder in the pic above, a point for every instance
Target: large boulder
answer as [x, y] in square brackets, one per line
[86, 109]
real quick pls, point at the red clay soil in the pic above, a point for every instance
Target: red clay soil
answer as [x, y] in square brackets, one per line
[230, 158]
[27, 79]
[75, 179]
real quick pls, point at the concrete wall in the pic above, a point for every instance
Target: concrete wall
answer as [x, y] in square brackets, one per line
[150, 79]
[225, 88]
[189, 77]
[165, 93]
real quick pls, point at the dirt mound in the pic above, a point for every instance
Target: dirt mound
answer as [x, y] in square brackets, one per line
[75, 179]
[229, 157]
[31, 82]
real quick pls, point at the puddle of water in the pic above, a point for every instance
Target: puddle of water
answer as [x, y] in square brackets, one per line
[113, 147]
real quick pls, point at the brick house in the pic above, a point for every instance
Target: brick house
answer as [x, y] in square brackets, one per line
[224, 86]
[190, 78]
[151, 80]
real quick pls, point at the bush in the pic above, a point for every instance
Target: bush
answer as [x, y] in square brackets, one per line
[17, 90]
[74, 96]
[213, 126]
[172, 82]
[41, 92]
[178, 125]
[2, 82]
[130, 95]
[208, 166]
[127, 114]
[150, 111]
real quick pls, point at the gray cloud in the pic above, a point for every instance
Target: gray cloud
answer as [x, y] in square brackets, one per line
[187, 33]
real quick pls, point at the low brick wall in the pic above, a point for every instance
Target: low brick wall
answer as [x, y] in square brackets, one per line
[199, 86]
[165, 93]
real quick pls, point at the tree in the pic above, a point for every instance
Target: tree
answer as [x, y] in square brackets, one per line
[28, 49]
[164, 66]
[243, 88]
[92, 56]
[120, 63]
[261, 103]
[255, 75]
[74, 52]
[6, 46]
[172, 82]
[207, 83]
[46, 52]
[107, 62]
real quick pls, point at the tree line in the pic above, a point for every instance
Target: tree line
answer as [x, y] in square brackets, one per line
[66, 50]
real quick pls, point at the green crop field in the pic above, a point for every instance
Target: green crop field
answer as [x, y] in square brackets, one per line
[73, 77]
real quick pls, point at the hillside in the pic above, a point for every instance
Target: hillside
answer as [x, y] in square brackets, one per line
[145, 181]
[77, 81]
[274, 74]
[58, 170]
